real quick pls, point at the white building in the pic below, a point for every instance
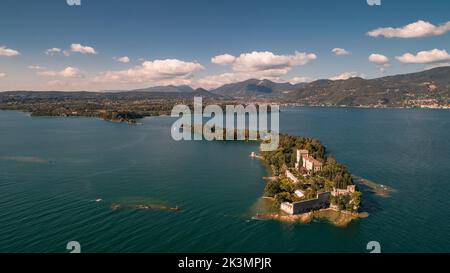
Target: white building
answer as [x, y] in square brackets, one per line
[299, 193]
[311, 164]
[300, 155]
[291, 177]
[350, 189]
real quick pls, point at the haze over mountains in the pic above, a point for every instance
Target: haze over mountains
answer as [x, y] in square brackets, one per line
[433, 84]
[421, 88]
[430, 87]
[168, 89]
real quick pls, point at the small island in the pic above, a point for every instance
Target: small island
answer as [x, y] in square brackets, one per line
[308, 184]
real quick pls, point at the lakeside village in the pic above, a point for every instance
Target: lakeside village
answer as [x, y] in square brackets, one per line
[305, 182]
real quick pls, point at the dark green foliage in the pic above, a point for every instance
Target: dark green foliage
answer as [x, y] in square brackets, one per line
[333, 174]
[286, 154]
[283, 197]
[356, 197]
[272, 188]
[337, 173]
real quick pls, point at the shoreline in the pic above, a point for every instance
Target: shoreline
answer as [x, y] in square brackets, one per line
[295, 105]
[334, 217]
[338, 218]
[332, 214]
[285, 105]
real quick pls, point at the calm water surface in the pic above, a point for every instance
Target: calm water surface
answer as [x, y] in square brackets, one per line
[54, 170]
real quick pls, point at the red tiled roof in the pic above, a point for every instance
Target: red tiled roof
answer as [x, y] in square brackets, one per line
[313, 160]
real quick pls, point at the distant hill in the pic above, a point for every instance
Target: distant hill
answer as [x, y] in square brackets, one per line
[118, 95]
[255, 89]
[167, 89]
[426, 87]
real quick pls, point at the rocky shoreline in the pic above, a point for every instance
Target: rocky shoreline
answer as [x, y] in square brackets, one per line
[337, 218]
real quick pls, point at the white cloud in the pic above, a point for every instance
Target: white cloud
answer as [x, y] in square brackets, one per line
[414, 30]
[8, 52]
[78, 48]
[425, 57]
[383, 68]
[296, 80]
[2, 75]
[381, 61]
[224, 59]
[346, 76]
[35, 67]
[267, 61]
[431, 66]
[124, 59]
[378, 59]
[74, 48]
[57, 84]
[214, 81]
[340, 51]
[53, 51]
[255, 65]
[171, 71]
[68, 72]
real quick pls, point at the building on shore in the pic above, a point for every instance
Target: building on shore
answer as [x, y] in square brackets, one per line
[322, 201]
[349, 190]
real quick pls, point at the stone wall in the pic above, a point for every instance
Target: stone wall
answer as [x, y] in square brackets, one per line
[321, 202]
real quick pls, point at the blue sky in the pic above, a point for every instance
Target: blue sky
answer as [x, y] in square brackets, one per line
[173, 42]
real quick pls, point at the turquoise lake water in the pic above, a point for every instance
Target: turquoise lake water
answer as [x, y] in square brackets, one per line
[53, 171]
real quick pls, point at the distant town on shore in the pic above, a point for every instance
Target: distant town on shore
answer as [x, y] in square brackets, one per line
[426, 89]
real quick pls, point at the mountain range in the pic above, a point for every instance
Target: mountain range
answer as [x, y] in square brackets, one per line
[422, 88]
[254, 88]
[429, 88]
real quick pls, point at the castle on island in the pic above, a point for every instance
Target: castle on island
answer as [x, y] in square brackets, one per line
[308, 165]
